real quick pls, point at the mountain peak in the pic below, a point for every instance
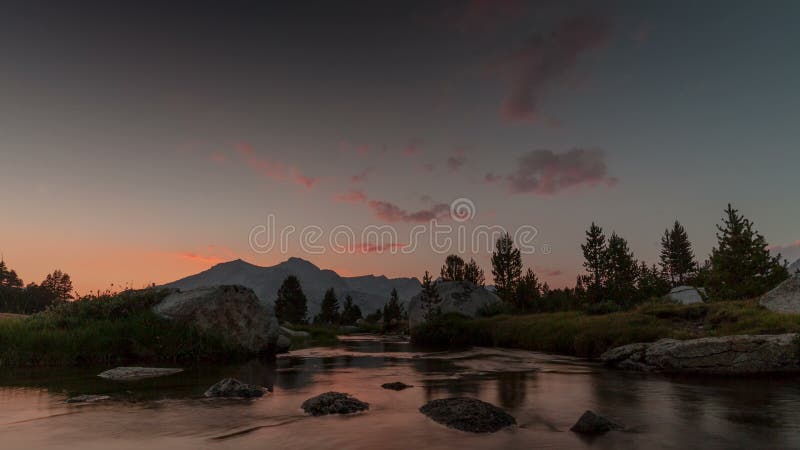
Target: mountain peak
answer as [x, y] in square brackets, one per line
[296, 262]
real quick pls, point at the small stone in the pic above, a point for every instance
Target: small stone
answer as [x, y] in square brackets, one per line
[396, 386]
[333, 403]
[87, 399]
[137, 373]
[591, 423]
[231, 387]
[468, 414]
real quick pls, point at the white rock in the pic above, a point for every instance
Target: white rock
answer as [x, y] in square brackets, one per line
[685, 295]
[137, 373]
[785, 298]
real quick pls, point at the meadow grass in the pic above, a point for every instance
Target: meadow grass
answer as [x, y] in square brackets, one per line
[579, 334]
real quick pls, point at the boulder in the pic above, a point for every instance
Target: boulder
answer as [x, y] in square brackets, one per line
[87, 399]
[292, 333]
[794, 267]
[396, 386]
[283, 344]
[230, 387]
[467, 414]
[784, 298]
[333, 403]
[234, 312]
[137, 373]
[591, 423]
[456, 296]
[727, 355]
[686, 295]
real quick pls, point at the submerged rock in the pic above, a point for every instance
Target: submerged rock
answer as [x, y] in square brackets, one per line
[231, 387]
[462, 297]
[468, 414]
[234, 312]
[396, 386]
[729, 355]
[333, 403]
[137, 373]
[591, 423]
[785, 298]
[87, 399]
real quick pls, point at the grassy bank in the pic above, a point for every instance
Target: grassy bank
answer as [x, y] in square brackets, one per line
[106, 330]
[579, 334]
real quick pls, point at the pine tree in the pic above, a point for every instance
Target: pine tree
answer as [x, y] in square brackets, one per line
[430, 298]
[351, 313]
[473, 273]
[741, 264]
[59, 284]
[594, 255]
[453, 268]
[291, 304]
[8, 277]
[392, 311]
[329, 309]
[528, 292]
[506, 268]
[677, 257]
[651, 282]
[621, 271]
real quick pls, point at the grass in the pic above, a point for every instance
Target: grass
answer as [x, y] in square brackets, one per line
[580, 334]
[109, 329]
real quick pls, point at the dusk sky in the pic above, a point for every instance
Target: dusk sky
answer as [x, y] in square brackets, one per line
[142, 142]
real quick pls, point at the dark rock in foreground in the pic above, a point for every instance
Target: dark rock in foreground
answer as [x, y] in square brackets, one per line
[333, 403]
[137, 373]
[591, 423]
[396, 386]
[468, 414]
[87, 399]
[727, 355]
[230, 387]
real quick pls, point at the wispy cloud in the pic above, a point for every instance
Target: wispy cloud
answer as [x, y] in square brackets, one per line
[213, 254]
[362, 176]
[413, 148]
[456, 160]
[274, 169]
[390, 212]
[544, 172]
[367, 247]
[354, 196]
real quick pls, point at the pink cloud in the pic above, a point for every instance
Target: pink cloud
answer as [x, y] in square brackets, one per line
[273, 169]
[351, 197]
[367, 247]
[219, 158]
[546, 60]
[414, 147]
[363, 175]
[456, 160]
[390, 212]
[543, 172]
[213, 255]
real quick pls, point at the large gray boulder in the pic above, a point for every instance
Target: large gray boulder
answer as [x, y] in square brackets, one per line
[686, 295]
[731, 355]
[785, 298]
[794, 267]
[234, 312]
[456, 296]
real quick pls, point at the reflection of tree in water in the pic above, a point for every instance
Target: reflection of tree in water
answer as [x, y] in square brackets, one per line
[456, 387]
[511, 387]
[261, 372]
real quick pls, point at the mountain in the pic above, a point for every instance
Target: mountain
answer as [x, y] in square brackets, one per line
[369, 292]
[794, 267]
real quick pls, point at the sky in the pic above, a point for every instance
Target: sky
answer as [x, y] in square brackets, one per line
[141, 142]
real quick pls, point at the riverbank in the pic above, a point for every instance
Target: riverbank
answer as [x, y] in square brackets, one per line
[580, 334]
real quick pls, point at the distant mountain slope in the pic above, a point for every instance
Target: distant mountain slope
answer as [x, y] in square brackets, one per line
[369, 292]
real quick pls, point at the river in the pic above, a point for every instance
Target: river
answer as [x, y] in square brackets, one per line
[545, 393]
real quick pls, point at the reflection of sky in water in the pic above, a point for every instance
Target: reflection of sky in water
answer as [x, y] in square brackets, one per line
[545, 393]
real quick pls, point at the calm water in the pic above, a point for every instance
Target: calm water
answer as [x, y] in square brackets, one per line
[545, 393]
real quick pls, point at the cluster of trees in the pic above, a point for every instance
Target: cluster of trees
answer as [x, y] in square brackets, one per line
[16, 297]
[291, 306]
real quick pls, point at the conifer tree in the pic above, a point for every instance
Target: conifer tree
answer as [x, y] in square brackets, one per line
[473, 273]
[506, 267]
[430, 298]
[8, 277]
[329, 309]
[528, 292]
[392, 311]
[651, 282]
[291, 304]
[453, 268]
[59, 284]
[677, 257]
[351, 313]
[741, 264]
[594, 255]
[621, 270]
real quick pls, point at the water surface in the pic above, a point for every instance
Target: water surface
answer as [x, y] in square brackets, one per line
[545, 393]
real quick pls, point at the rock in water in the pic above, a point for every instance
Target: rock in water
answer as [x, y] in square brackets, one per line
[283, 344]
[591, 423]
[234, 312]
[685, 295]
[785, 298]
[726, 355]
[230, 387]
[137, 373]
[468, 414]
[396, 386]
[87, 399]
[333, 403]
[457, 296]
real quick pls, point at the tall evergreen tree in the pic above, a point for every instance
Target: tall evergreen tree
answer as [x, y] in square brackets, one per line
[741, 264]
[621, 271]
[677, 257]
[392, 311]
[430, 298]
[291, 305]
[594, 255]
[59, 284]
[453, 268]
[528, 292]
[351, 313]
[651, 282]
[473, 273]
[8, 277]
[506, 267]
[329, 309]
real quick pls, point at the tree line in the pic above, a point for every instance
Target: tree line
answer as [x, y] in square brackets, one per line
[19, 298]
